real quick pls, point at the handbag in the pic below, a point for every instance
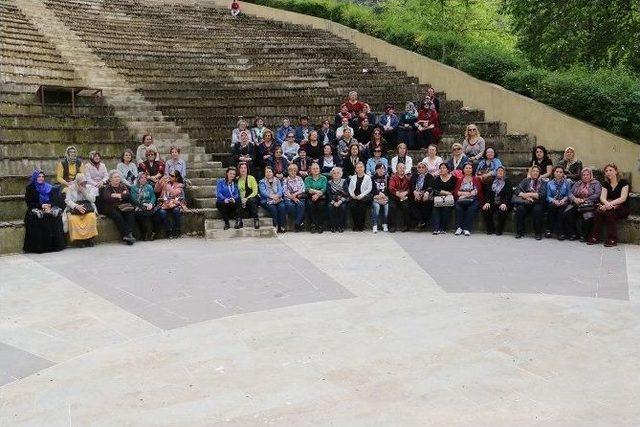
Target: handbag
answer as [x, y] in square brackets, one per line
[126, 207]
[443, 201]
[586, 207]
[87, 205]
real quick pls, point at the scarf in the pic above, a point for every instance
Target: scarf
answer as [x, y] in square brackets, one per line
[272, 186]
[497, 186]
[337, 187]
[534, 184]
[411, 112]
[66, 155]
[44, 189]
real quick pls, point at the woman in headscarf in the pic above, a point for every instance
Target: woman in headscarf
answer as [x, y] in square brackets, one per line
[144, 199]
[407, 128]
[572, 166]
[68, 167]
[81, 209]
[497, 201]
[43, 220]
[583, 200]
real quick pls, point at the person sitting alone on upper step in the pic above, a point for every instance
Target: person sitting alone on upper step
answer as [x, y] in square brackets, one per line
[235, 8]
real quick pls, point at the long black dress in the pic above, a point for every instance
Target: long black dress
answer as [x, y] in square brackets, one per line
[42, 234]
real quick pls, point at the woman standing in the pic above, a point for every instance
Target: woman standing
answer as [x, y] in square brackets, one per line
[227, 196]
[144, 199]
[117, 206]
[316, 187]
[81, 211]
[614, 206]
[294, 194]
[468, 195]
[360, 187]
[338, 196]
[127, 168]
[43, 230]
[497, 202]
[272, 199]
[249, 197]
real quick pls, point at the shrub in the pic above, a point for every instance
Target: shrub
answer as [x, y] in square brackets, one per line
[609, 98]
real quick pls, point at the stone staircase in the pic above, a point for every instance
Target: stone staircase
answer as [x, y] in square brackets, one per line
[184, 73]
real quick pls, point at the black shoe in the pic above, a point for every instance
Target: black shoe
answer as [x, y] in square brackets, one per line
[573, 237]
[561, 237]
[334, 229]
[547, 234]
[340, 230]
[297, 228]
[498, 233]
[519, 236]
[238, 225]
[538, 236]
[488, 232]
[256, 223]
[319, 230]
[226, 225]
[313, 229]
[129, 238]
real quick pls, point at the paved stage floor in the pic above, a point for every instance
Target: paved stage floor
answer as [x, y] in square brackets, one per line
[404, 329]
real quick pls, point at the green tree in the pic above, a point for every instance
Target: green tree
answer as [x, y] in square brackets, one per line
[594, 33]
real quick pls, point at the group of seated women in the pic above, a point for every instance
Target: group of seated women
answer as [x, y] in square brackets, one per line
[315, 174]
[149, 193]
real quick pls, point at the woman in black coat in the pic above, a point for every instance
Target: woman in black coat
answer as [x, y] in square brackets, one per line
[497, 196]
[43, 220]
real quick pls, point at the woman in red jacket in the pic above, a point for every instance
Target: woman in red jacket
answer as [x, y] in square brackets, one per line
[399, 189]
[469, 197]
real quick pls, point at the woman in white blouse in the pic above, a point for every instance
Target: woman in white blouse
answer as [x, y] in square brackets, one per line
[402, 157]
[360, 187]
[432, 160]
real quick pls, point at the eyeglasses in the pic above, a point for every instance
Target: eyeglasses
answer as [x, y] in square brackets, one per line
[472, 129]
[457, 149]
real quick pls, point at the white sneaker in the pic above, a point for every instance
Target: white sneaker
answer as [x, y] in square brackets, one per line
[375, 229]
[435, 232]
[385, 228]
[467, 233]
[458, 231]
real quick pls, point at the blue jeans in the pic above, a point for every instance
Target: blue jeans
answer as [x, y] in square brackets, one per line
[175, 214]
[375, 212]
[466, 214]
[278, 214]
[295, 209]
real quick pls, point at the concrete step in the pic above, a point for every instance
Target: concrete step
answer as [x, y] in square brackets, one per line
[218, 224]
[219, 234]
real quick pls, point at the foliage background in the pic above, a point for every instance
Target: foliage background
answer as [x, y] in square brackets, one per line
[579, 56]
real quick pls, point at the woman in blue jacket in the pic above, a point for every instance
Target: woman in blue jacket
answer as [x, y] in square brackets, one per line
[272, 199]
[558, 190]
[227, 196]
